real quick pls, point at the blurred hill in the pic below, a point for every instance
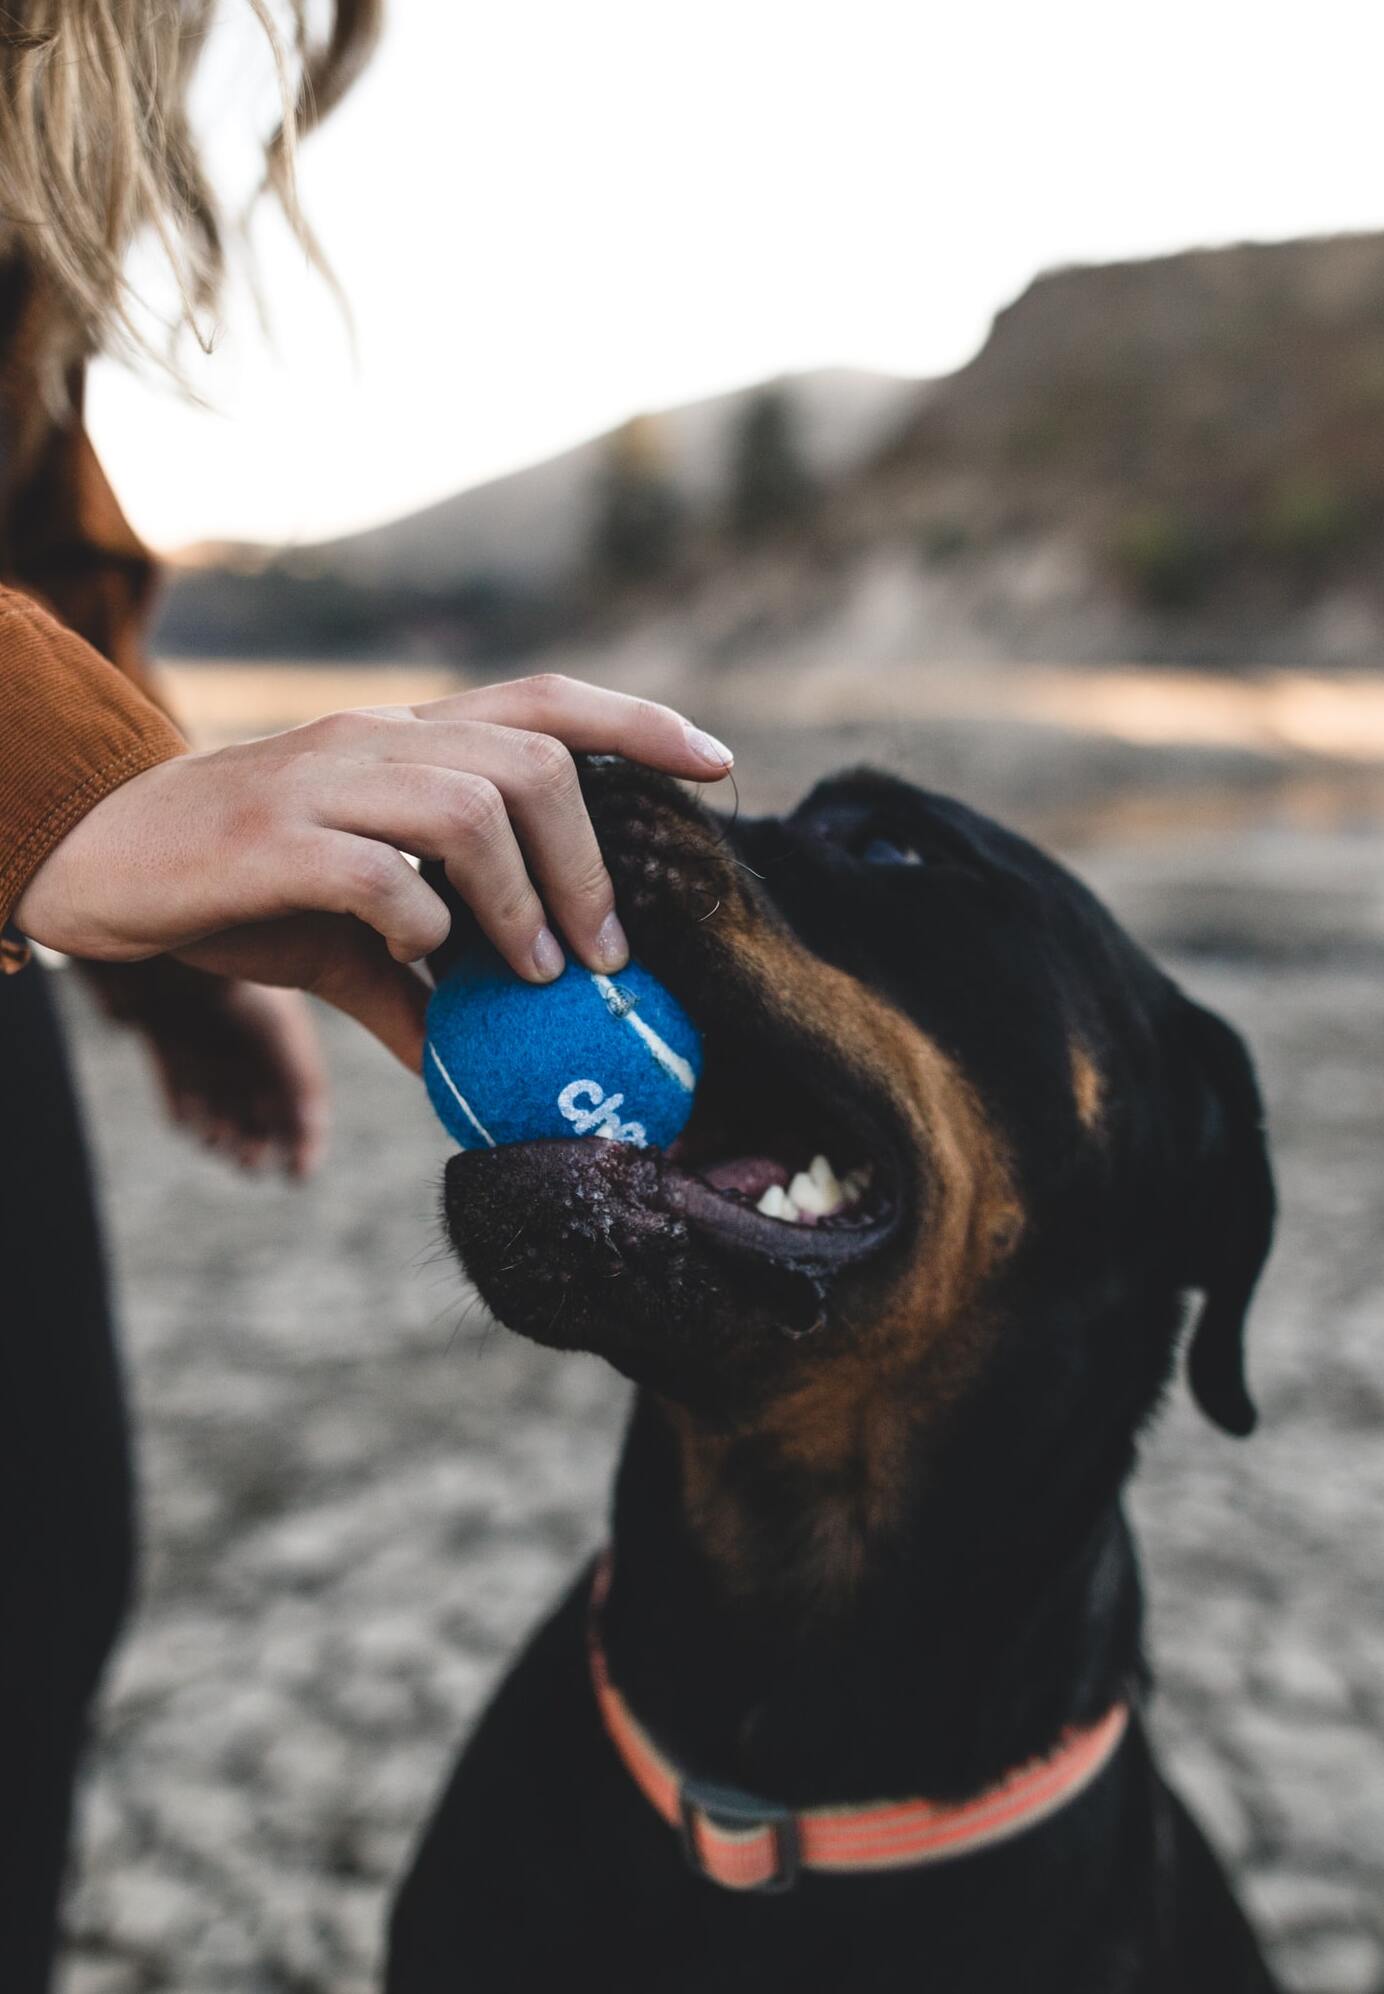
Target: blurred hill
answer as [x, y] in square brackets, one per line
[500, 566]
[533, 527]
[1178, 460]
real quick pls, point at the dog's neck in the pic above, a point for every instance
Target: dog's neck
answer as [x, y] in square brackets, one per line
[819, 1644]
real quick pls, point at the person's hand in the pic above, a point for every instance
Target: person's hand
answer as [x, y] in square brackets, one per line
[238, 1066]
[313, 823]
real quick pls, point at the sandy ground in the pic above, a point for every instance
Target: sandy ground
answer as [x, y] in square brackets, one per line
[359, 1494]
[1338, 714]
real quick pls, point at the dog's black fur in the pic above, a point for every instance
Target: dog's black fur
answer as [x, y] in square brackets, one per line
[868, 1540]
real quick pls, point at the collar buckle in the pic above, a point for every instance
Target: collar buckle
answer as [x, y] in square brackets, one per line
[729, 1808]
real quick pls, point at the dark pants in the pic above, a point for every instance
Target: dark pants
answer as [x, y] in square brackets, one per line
[65, 1510]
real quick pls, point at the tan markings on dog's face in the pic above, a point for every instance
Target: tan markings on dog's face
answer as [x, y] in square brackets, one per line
[1088, 1087]
[848, 1419]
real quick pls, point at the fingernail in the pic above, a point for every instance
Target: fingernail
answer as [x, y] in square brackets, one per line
[707, 748]
[611, 946]
[547, 955]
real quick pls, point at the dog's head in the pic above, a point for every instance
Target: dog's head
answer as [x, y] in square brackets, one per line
[1036, 1143]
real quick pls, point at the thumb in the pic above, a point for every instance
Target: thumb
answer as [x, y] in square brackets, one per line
[361, 978]
[335, 958]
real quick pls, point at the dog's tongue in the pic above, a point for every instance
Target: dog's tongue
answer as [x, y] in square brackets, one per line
[750, 1175]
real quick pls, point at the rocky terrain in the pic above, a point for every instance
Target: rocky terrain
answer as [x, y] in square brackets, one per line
[359, 1493]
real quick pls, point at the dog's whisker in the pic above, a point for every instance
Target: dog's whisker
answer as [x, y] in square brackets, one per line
[444, 1314]
[464, 1323]
[427, 1256]
[725, 823]
[723, 857]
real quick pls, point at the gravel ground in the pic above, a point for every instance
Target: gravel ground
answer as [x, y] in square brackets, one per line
[359, 1495]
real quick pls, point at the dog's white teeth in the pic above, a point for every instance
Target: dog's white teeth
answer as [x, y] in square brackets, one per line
[806, 1195]
[816, 1189]
[816, 1193]
[776, 1204]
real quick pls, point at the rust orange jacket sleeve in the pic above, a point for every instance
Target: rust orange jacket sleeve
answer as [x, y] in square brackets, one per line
[79, 714]
[72, 728]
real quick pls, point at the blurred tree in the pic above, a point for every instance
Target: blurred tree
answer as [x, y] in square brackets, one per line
[1167, 558]
[771, 486]
[639, 515]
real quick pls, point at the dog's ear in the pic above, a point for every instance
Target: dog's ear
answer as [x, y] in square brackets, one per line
[1231, 1217]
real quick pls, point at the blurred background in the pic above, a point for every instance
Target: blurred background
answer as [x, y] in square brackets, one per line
[996, 395]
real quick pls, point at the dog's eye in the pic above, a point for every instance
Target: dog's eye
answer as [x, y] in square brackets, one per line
[867, 834]
[884, 851]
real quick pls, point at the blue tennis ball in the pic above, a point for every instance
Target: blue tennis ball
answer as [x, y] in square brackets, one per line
[510, 1061]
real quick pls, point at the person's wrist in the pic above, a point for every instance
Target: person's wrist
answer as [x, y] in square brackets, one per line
[78, 899]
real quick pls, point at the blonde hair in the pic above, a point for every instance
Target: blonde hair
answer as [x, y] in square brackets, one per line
[96, 146]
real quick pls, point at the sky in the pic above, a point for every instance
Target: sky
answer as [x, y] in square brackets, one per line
[548, 216]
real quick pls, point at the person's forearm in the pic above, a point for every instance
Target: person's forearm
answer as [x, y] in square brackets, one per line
[72, 729]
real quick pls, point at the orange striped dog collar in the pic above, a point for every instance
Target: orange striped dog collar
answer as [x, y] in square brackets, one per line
[745, 1843]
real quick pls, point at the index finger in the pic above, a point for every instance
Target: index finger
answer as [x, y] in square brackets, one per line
[589, 719]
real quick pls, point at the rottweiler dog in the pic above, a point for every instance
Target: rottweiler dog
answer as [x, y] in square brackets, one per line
[897, 1305]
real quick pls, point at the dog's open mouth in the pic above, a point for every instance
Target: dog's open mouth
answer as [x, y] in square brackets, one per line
[780, 1160]
[794, 1170]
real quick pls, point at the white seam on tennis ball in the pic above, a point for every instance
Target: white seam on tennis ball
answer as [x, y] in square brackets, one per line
[461, 1100]
[673, 1063]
